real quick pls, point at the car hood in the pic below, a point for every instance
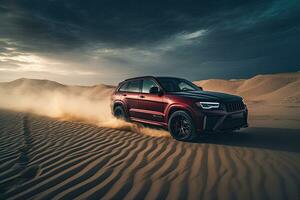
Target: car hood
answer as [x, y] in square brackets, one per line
[209, 96]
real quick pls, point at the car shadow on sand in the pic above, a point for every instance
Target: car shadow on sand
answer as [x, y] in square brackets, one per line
[266, 138]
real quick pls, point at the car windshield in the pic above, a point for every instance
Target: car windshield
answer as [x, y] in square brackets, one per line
[177, 85]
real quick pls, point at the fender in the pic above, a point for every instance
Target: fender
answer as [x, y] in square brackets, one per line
[179, 107]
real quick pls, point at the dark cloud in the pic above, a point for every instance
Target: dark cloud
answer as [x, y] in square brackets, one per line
[119, 23]
[240, 38]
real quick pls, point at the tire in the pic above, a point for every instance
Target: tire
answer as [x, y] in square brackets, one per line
[181, 126]
[120, 113]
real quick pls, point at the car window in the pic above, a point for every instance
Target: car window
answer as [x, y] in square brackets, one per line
[177, 85]
[123, 88]
[133, 86]
[147, 84]
[184, 86]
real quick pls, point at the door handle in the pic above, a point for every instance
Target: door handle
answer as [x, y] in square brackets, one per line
[142, 96]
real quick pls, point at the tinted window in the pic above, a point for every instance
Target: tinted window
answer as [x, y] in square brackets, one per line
[123, 87]
[184, 86]
[133, 86]
[147, 84]
[177, 85]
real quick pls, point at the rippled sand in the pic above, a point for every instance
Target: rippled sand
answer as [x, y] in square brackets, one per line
[44, 158]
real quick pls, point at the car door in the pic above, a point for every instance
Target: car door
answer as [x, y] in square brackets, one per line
[151, 106]
[132, 97]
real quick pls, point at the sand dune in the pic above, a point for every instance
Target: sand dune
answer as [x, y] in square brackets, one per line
[43, 158]
[274, 88]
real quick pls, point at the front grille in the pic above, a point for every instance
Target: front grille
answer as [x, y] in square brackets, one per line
[235, 106]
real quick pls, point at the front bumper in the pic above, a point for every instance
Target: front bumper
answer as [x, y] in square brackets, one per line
[221, 120]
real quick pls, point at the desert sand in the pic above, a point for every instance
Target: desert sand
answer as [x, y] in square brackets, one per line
[55, 144]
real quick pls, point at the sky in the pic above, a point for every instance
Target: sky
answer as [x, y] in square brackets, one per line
[97, 41]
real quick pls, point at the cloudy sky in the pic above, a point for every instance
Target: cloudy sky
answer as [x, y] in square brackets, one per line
[89, 42]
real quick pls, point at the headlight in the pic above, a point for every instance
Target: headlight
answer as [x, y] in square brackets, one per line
[243, 100]
[208, 105]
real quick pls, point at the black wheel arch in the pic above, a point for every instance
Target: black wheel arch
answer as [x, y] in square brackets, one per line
[118, 103]
[178, 108]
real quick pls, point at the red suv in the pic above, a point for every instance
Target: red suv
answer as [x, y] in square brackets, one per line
[178, 105]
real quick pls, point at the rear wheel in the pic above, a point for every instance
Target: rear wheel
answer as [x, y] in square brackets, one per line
[119, 113]
[181, 126]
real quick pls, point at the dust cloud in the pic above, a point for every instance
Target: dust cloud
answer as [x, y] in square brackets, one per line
[88, 104]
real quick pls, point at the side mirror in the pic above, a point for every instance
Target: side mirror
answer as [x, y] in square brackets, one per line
[201, 88]
[155, 90]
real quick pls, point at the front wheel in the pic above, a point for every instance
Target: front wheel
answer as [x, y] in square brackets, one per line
[181, 126]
